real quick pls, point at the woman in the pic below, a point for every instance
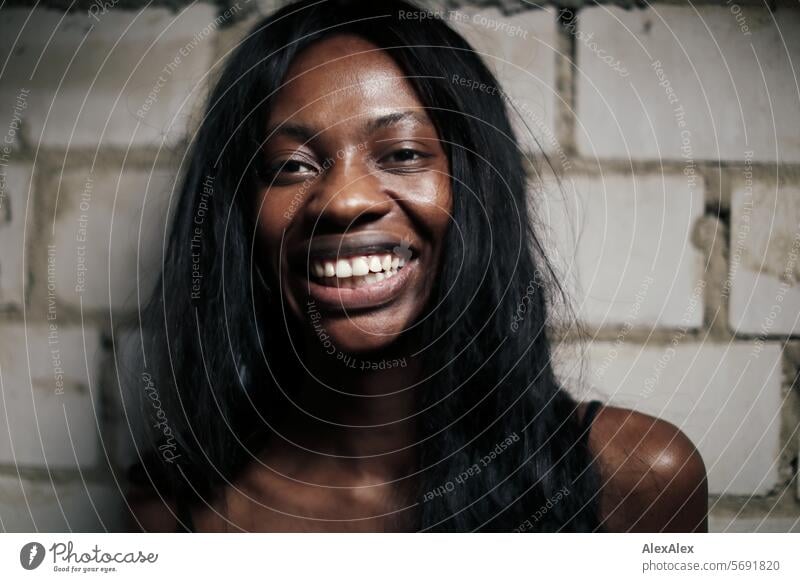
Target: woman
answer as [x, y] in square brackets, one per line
[338, 342]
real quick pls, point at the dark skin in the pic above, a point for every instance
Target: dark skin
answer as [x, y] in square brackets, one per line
[347, 445]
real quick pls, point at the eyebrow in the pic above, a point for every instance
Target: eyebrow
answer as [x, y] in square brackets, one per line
[295, 130]
[391, 119]
[306, 134]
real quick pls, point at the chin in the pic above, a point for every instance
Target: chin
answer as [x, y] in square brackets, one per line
[359, 334]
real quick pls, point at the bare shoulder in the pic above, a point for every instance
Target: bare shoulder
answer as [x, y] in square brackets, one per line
[653, 477]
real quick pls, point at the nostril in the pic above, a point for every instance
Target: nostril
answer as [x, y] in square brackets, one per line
[365, 218]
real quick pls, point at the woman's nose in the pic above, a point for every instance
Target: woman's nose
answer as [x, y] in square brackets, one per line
[349, 194]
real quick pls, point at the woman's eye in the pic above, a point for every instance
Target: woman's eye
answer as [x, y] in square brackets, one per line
[293, 167]
[404, 157]
[286, 171]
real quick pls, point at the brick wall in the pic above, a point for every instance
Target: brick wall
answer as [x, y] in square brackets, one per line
[676, 224]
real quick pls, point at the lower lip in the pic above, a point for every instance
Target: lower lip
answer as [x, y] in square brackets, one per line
[365, 296]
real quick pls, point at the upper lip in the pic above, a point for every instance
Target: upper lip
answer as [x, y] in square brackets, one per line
[331, 246]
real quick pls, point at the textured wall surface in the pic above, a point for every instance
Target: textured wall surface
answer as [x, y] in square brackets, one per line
[674, 130]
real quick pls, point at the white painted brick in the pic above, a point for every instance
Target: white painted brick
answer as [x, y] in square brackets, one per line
[726, 398]
[124, 229]
[88, 81]
[621, 245]
[716, 73]
[14, 183]
[765, 259]
[31, 506]
[48, 428]
[12, 115]
[521, 51]
[763, 524]
[267, 7]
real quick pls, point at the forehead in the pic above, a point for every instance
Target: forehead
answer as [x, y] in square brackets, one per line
[341, 77]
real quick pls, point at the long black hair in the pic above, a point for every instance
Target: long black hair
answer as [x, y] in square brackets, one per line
[500, 447]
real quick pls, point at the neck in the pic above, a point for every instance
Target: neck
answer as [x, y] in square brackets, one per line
[358, 408]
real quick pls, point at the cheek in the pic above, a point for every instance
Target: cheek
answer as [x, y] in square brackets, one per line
[439, 214]
[441, 210]
[445, 204]
[430, 202]
[438, 217]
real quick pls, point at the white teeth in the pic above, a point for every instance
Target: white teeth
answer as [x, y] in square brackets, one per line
[343, 269]
[360, 267]
[372, 268]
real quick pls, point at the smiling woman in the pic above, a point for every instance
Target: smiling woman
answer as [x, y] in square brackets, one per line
[370, 226]
[348, 362]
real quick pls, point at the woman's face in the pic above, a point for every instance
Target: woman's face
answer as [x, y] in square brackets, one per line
[357, 197]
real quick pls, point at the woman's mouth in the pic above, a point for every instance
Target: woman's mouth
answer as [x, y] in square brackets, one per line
[357, 271]
[352, 283]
